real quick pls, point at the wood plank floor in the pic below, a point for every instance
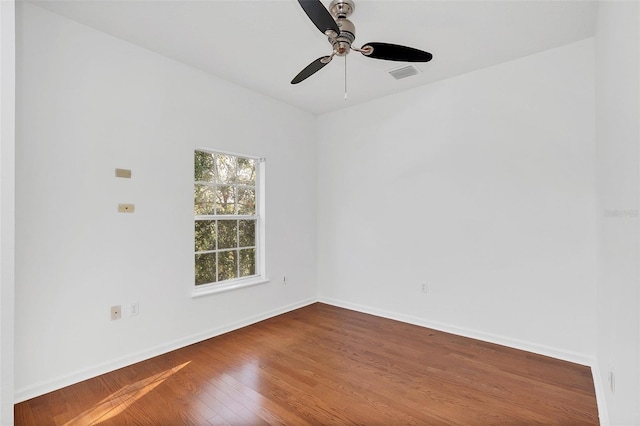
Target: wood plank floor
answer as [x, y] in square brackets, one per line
[326, 365]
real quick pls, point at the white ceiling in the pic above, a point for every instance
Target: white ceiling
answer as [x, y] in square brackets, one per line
[263, 44]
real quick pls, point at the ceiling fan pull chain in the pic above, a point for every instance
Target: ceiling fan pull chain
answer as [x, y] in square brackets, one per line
[345, 77]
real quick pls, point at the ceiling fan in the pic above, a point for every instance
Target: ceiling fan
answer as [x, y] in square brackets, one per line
[342, 33]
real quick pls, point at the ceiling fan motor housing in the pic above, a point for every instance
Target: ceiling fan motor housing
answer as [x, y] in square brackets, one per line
[341, 10]
[342, 43]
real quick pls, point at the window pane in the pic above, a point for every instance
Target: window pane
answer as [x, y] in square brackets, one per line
[203, 166]
[226, 200]
[225, 190]
[246, 171]
[205, 232]
[247, 262]
[247, 232]
[203, 199]
[226, 168]
[227, 234]
[228, 265]
[205, 268]
[247, 201]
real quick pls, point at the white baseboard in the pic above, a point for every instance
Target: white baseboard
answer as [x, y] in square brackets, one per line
[41, 388]
[549, 351]
[600, 384]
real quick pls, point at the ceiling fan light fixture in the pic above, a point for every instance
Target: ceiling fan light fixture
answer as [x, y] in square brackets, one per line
[404, 72]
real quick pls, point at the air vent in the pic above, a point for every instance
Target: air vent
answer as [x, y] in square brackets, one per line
[404, 72]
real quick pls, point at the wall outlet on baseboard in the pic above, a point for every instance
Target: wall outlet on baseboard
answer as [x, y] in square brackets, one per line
[134, 309]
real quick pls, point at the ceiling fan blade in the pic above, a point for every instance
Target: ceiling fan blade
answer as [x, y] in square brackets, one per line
[311, 69]
[320, 16]
[394, 52]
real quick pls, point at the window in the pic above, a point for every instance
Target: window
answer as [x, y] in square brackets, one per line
[227, 211]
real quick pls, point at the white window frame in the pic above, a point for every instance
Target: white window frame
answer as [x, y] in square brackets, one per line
[261, 271]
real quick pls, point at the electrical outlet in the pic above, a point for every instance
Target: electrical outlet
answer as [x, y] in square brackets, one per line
[134, 309]
[116, 313]
[424, 287]
[284, 279]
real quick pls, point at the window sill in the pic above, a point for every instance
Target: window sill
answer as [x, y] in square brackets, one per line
[207, 289]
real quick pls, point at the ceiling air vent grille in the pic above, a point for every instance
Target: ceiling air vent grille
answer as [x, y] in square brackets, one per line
[404, 72]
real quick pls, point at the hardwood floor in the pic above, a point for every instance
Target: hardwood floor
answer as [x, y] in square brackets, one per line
[326, 365]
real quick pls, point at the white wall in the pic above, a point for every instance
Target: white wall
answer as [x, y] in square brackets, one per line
[482, 186]
[87, 104]
[617, 140]
[494, 171]
[7, 205]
